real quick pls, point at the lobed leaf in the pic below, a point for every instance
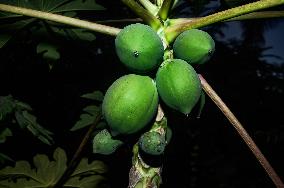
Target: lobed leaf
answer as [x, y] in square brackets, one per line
[5, 133]
[93, 110]
[27, 120]
[84, 168]
[96, 95]
[48, 51]
[46, 173]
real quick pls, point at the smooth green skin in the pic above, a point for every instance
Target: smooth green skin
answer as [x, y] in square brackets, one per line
[178, 85]
[139, 48]
[152, 143]
[130, 103]
[104, 144]
[194, 46]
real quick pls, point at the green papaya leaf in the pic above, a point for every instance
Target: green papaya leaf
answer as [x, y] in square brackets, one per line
[10, 24]
[22, 106]
[104, 144]
[55, 5]
[87, 175]
[96, 95]
[201, 103]
[20, 119]
[8, 30]
[86, 182]
[46, 173]
[84, 168]
[48, 51]
[5, 133]
[79, 5]
[43, 5]
[85, 120]
[28, 121]
[93, 110]
[6, 106]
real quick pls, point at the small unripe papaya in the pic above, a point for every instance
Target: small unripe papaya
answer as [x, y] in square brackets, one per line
[139, 48]
[104, 144]
[178, 85]
[152, 143]
[130, 103]
[194, 46]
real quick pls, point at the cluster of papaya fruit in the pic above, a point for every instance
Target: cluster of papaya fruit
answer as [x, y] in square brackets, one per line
[131, 102]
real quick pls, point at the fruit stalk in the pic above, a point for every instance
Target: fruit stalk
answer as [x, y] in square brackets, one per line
[242, 132]
[60, 19]
[173, 31]
[143, 13]
[153, 9]
[166, 7]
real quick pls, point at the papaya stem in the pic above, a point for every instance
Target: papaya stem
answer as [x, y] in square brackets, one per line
[258, 15]
[164, 10]
[60, 19]
[143, 13]
[140, 174]
[76, 157]
[173, 31]
[242, 132]
[249, 16]
[153, 9]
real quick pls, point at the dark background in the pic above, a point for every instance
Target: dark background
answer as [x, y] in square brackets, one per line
[246, 71]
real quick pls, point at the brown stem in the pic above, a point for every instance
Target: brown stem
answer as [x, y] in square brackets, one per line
[242, 132]
[76, 157]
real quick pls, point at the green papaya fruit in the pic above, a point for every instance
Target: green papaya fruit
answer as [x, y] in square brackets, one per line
[104, 144]
[178, 85]
[194, 46]
[139, 48]
[152, 143]
[130, 103]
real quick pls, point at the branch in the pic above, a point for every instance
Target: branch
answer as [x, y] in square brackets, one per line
[173, 31]
[61, 19]
[242, 132]
[143, 13]
[258, 15]
[76, 158]
[249, 16]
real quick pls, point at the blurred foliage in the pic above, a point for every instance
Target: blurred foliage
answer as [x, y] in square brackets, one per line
[46, 173]
[51, 65]
[23, 117]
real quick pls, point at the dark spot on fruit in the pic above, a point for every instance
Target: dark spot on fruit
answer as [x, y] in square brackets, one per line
[136, 53]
